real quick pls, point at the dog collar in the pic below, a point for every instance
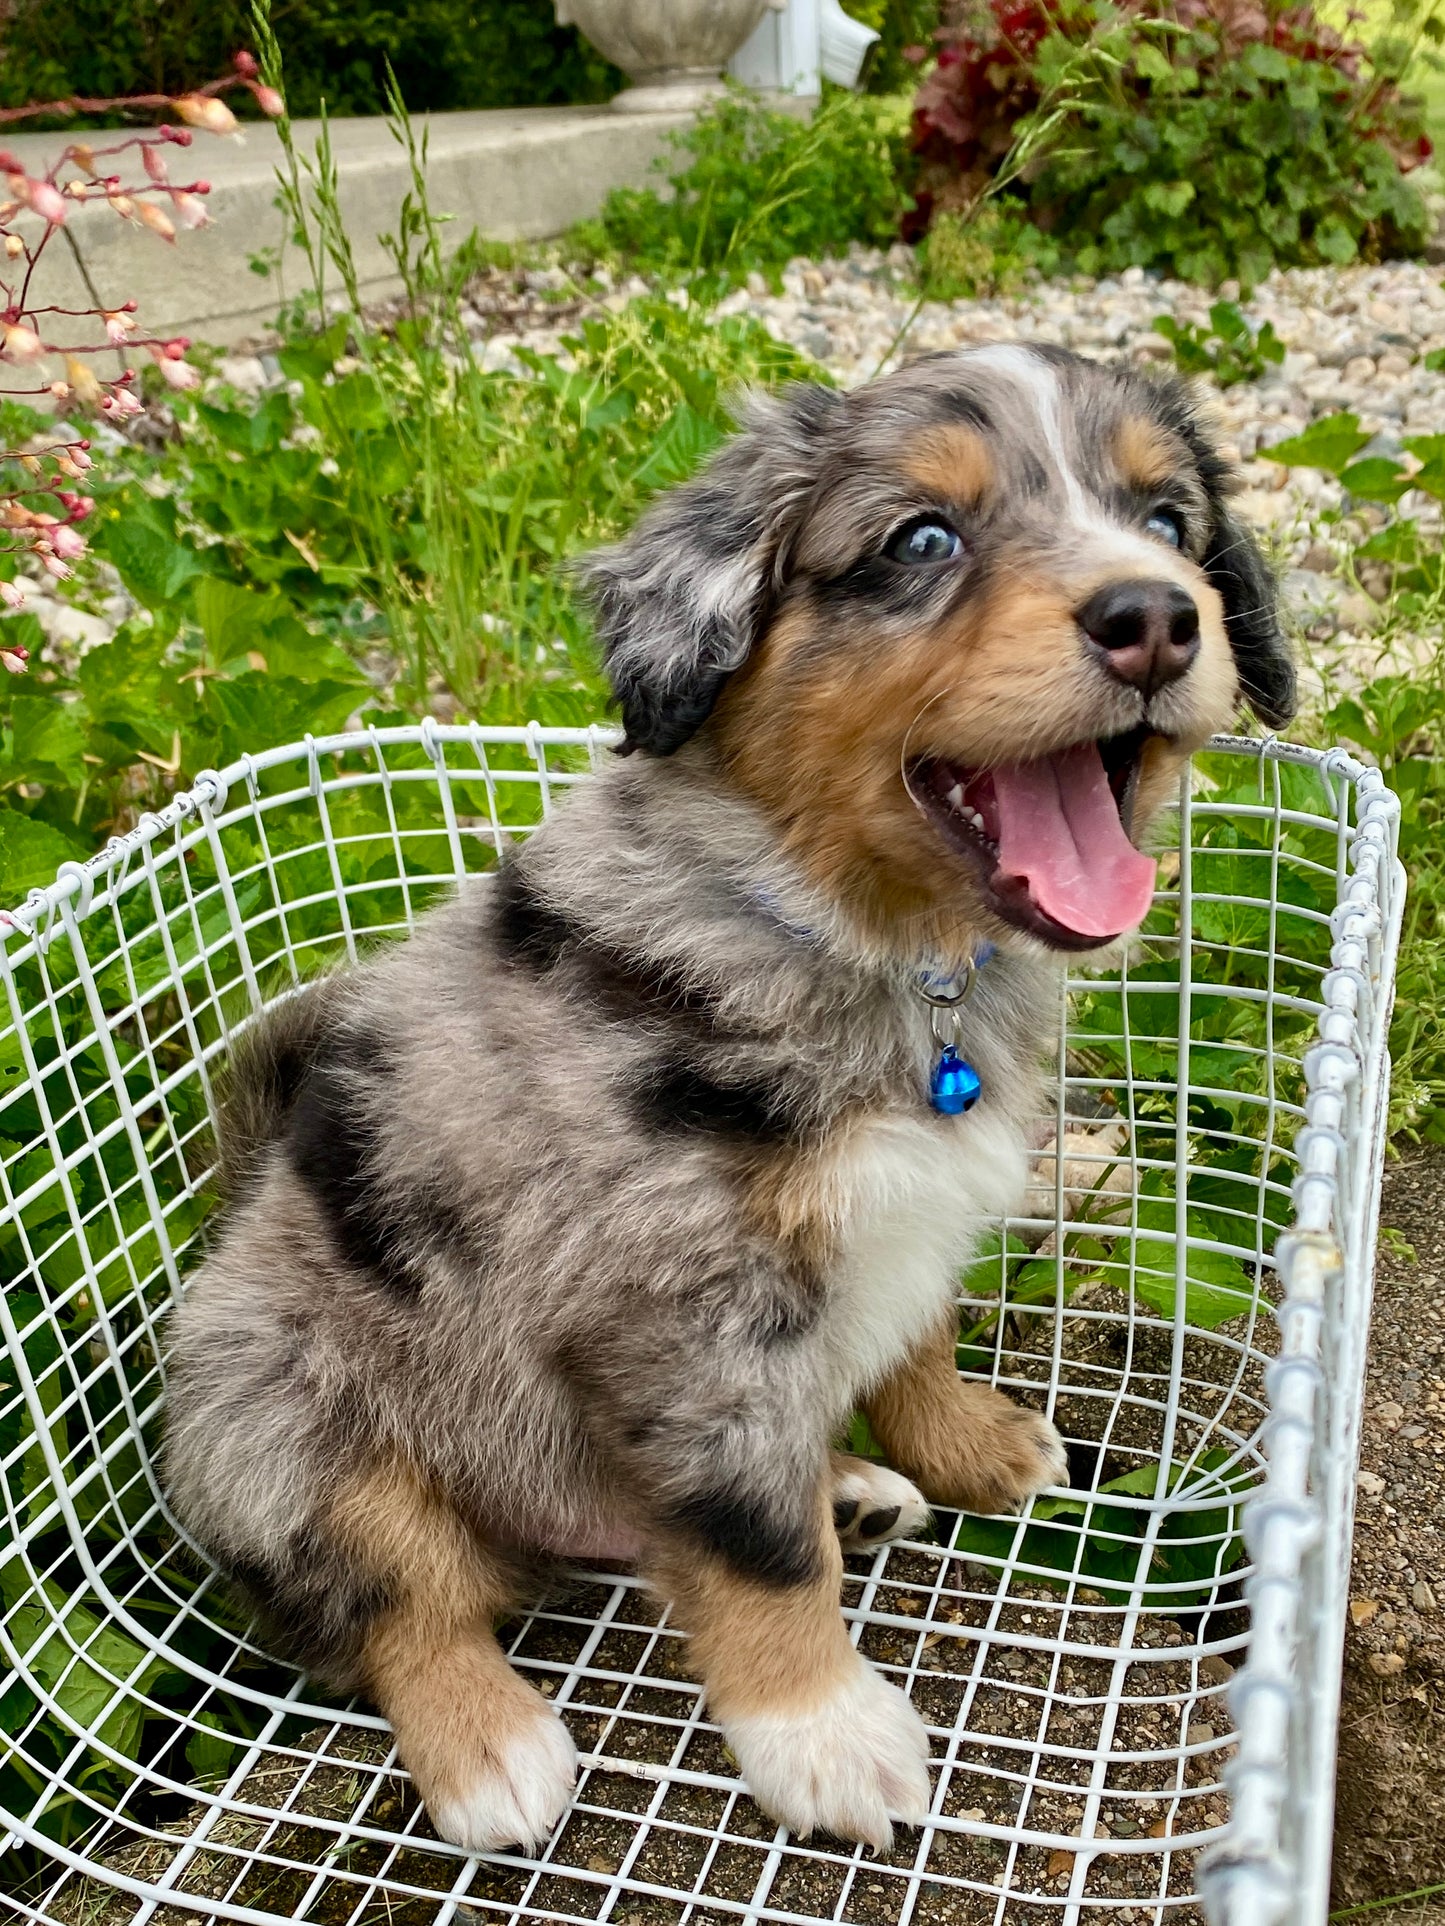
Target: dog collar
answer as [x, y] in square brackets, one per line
[954, 1086]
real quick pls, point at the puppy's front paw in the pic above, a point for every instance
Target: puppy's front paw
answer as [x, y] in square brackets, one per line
[993, 1455]
[513, 1792]
[1025, 1455]
[873, 1505]
[848, 1766]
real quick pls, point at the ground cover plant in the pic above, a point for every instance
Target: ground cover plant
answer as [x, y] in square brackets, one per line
[1206, 139]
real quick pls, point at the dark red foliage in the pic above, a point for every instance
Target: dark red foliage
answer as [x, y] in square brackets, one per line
[968, 107]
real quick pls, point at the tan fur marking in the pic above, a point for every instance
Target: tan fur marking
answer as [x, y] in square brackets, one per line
[961, 1444]
[761, 1648]
[433, 1663]
[955, 463]
[1146, 454]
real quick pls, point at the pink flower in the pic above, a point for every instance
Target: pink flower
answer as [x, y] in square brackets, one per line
[21, 343]
[118, 324]
[12, 597]
[120, 404]
[269, 101]
[156, 219]
[14, 658]
[246, 64]
[155, 163]
[66, 543]
[52, 564]
[46, 201]
[206, 112]
[190, 210]
[179, 375]
[14, 246]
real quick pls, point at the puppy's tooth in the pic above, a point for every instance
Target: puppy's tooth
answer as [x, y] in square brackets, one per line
[954, 798]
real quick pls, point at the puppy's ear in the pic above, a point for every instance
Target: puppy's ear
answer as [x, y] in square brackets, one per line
[683, 599]
[1247, 587]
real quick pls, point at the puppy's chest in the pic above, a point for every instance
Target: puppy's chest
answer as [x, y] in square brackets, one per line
[909, 1200]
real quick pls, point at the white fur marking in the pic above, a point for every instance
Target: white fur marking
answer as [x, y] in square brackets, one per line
[519, 1802]
[874, 1488]
[847, 1767]
[910, 1201]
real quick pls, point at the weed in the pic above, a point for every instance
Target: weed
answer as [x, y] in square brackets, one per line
[752, 186]
[1228, 349]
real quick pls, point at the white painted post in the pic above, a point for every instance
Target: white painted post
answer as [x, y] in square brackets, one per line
[799, 43]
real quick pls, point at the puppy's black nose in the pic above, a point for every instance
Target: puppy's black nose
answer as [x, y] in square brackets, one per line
[1144, 632]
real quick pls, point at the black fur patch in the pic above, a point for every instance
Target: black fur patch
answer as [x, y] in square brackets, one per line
[845, 1510]
[1247, 588]
[316, 1606]
[376, 1226]
[534, 934]
[530, 930]
[751, 1536]
[678, 1096]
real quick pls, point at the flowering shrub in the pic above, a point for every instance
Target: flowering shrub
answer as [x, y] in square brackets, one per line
[1212, 137]
[40, 516]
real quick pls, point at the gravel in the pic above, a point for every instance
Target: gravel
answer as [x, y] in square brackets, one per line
[1355, 338]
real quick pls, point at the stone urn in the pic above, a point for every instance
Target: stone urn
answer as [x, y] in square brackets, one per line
[672, 51]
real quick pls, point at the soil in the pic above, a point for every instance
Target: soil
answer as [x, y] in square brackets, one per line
[1390, 1808]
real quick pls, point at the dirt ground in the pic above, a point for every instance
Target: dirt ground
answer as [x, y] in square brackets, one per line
[1390, 1809]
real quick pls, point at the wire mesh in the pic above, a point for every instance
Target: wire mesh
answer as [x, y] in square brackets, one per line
[1186, 1294]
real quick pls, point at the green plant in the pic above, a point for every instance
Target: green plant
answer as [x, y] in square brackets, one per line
[1229, 349]
[1206, 140]
[1397, 718]
[751, 186]
[995, 250]
[905, 29]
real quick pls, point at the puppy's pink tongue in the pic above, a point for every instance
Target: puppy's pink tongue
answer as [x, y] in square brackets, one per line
[1061, 839]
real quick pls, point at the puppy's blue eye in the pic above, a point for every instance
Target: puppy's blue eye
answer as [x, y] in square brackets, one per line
[926, 541]
[1166, 526]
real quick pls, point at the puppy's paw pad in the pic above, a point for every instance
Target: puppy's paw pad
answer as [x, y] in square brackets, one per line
[517, 1795]
[873, 1505]
[848, 1767]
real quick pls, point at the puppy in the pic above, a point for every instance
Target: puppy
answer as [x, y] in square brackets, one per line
[578, 1226]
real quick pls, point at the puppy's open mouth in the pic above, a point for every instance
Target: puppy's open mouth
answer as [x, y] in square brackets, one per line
[1049, 839]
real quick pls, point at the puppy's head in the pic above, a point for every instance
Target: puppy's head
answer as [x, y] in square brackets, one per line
[954, 633]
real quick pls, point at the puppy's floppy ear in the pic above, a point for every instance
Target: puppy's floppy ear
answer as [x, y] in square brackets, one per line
[1247, 587]
[682, 600]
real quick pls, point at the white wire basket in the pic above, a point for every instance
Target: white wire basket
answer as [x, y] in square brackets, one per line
[1132, 1690]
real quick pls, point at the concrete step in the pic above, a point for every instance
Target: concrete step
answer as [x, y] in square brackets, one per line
[519, 173]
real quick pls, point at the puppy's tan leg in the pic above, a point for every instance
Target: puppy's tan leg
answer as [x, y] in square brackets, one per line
[962, 1444]
[824, 1743]
[492, 1761]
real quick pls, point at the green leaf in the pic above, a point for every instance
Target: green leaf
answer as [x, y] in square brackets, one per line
[48, 740]
[154, 566]
[30, 854]
[1168, 197]
[1377, 480]
[1152, 64]
[1330, 443]
[686, 438]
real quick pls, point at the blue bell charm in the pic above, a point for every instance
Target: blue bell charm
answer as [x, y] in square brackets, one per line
[955, 1086]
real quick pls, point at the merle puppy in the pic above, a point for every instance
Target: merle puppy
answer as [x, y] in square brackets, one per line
[578, 1225]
